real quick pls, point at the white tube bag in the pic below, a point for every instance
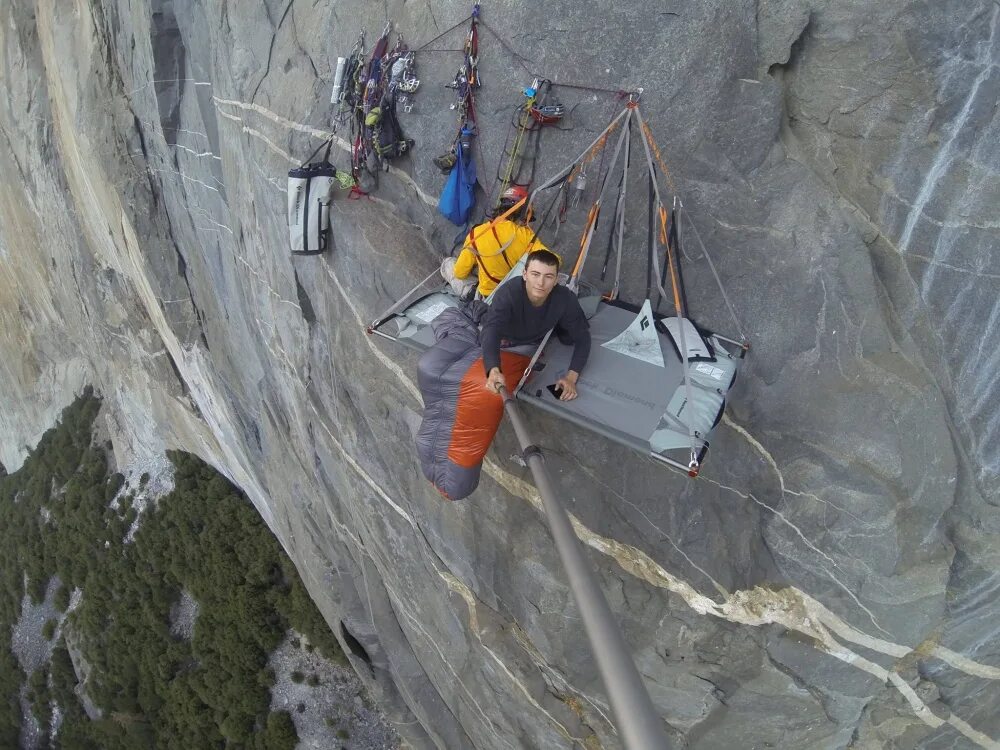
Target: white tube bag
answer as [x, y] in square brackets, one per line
[310, 190]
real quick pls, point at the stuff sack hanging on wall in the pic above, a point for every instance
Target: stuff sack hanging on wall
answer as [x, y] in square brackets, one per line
[458, 196]
[310, 189]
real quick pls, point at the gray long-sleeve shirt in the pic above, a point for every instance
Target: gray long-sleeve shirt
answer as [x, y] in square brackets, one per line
[512, 317]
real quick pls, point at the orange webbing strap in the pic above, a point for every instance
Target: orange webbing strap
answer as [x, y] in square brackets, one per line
[510, 210]
[591, 227]
[593, 151]
[482, 267]
[571, 172]
[688, 392]
[670, 261]
[492, 225]
[591, 220]
[659, 156]
[471, 241]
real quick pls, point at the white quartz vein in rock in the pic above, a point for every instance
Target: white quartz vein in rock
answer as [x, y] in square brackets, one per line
[263, 282]
[715, 584]
[798, 532]
[324, 135]
[945, 155]
[184, 177]
[208, 217]
[168, 80]
[257, 134]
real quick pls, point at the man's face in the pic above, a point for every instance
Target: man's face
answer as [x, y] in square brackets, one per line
[539, 279]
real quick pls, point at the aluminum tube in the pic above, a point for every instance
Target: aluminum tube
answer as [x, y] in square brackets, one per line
[338, 81]
[406, 301]
[637, 721]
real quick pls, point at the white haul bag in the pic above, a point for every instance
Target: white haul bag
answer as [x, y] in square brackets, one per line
[310, 189]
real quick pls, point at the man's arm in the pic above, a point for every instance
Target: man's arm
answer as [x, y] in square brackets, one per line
[465, 263]
[496, 321]
[574, 322]
[566, 385]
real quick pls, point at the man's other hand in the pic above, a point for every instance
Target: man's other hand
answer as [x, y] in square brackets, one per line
[495, 381]
[567, 384]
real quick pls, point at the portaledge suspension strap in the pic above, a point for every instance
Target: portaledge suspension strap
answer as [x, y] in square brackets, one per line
[715, 273]
[621, 210]
[595, 210]
[679, 307]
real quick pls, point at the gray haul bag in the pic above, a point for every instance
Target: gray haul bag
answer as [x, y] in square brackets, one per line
[310, 189]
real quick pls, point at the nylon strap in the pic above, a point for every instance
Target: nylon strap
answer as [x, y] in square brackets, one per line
[677, 305]
[711, 265]
[502, 247]
[621, 209]
[326, 154]
[534, 359]
[595, 210]
[482, 268]
[577, 164]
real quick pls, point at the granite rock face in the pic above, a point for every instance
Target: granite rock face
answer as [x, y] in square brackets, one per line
[829, 581]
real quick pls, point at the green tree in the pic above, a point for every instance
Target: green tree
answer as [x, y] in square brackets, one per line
[279, 732]
[155, 690]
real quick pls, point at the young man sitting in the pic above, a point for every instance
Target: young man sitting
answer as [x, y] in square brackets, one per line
[524, 309]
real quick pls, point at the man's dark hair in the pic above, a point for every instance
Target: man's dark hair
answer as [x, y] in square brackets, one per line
[543, 256]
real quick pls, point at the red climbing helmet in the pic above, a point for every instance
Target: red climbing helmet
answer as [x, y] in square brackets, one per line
[513, 194]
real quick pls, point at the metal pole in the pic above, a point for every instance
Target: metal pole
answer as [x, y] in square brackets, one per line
[637, 720]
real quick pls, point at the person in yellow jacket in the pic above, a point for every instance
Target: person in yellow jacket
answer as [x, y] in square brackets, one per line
[493, 248]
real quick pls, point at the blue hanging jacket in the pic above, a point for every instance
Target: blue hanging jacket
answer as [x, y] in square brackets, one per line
[458, 196]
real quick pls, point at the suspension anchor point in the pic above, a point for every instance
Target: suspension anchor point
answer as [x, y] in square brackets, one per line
[530, 452]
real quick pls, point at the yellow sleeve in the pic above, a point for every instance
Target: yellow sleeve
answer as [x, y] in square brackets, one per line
[465, 263]
[524, 234]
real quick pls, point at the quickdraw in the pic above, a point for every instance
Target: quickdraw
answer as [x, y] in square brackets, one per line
[404, 80]
[366, 93]
[465, 83]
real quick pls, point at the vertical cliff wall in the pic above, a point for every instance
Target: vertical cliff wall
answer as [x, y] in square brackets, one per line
[828, 582]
